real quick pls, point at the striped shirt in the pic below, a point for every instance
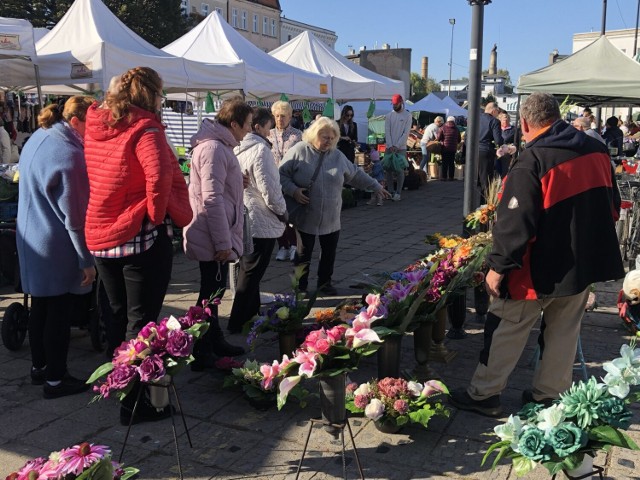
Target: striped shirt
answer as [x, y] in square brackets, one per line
[142, 242]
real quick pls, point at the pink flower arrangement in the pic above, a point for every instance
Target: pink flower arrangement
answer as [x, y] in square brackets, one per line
[159, 349]
[397, 401]
[85, 460]
[329, 352]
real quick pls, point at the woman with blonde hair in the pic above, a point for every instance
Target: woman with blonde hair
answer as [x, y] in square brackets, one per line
[282, 137]
[137, 193]
[55, 264]
[313, 173]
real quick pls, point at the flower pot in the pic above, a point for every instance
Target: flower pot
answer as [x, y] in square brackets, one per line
[459, 172]
[481, 300]
[387, 426]
[457, 311]
[422, 341]
[287, 342]
[261, 404]
[159, 396]
[332, 402]
[583, 470]
[433, 170]
[389, 357]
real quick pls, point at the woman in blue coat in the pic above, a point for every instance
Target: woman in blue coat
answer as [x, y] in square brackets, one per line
[55, 264]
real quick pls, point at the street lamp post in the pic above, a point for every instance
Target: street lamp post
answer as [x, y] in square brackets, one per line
[452, 21]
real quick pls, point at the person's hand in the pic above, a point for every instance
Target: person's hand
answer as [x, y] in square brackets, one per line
[245, 179]
[222, 255]
[88, 276]
[300, 196]
[492, 283]
[386, 195]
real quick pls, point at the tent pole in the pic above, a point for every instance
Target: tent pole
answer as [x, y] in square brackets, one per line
[634, 54]
[38, 86]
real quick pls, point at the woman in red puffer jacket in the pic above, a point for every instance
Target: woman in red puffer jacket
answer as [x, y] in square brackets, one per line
[137, 192]
[449, 136]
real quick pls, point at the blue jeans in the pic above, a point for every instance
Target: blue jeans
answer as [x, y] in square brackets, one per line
[425, 156]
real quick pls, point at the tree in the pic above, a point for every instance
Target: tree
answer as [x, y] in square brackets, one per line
[157, 21]
[421, 88]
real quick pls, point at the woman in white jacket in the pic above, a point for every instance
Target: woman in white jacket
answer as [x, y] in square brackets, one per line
[265, 203]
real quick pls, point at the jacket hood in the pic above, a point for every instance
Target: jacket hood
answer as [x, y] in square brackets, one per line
[212, 130]
[563, 136]
[99, 119]
[249, 141]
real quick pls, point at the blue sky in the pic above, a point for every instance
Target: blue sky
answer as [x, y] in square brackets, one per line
[526, 31]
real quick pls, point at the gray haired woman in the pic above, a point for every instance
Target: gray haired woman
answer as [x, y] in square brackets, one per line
[313, 173]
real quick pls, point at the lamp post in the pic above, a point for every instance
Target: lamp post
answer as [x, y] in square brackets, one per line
[452, 21]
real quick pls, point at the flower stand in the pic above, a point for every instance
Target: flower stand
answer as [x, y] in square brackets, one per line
[334, 418]
[586, 470]
[389, 356]
[457, 310]
[439, 352]
[422, 339]
[159, 392]
[287, 343]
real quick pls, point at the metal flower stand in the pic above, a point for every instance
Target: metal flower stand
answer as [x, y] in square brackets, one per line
[597, 470]
[170, 386]
[439, 352]
[334, 418]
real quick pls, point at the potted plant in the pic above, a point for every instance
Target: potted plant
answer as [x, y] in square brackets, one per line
[83, 461]
[394, 402]
[284, 316]
[434, 165]
[588, 417]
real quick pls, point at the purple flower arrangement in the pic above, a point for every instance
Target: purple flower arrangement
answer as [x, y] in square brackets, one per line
[159, 349]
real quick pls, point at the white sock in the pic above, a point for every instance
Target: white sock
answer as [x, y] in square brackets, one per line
[54, 384]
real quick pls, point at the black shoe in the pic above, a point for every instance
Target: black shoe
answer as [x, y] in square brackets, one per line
[203, 362]
[145, 413]
[527, 397]
[489, 407]
[328, 289]
[456, 334]
[68, 386]
[222, 348]
[37, 376]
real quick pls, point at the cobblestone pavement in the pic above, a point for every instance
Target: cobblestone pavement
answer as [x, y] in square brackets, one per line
[231, 440]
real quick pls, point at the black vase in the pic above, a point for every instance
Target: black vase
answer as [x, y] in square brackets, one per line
[332, 402]
[287, 343]
[389, 357]
[481, 300]
[457, 311]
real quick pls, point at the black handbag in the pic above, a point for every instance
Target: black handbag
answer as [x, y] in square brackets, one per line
[296, 211]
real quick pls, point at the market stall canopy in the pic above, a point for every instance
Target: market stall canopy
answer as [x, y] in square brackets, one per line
[17, 51]
[431, 103]
[596, 75]
[453, 108]
[214, 41]
[349, 81]
[89, 45]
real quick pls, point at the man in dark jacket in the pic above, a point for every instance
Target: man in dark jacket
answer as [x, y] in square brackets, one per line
[490, 137]
[554, 236]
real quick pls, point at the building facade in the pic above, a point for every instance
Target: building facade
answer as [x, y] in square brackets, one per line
[621, 39]
[391, 62]
[256, 20]
[289, 29]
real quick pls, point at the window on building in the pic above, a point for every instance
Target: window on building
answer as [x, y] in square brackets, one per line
[184, 7]
[624, 50]
[265, 26]
[234, 17]
[243, 21]
[273, 27]
[194, 9]
[219, 10]
[288, 37]
[205, 9]
[255, 23]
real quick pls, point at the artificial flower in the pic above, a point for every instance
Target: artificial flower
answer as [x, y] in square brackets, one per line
[374, 410]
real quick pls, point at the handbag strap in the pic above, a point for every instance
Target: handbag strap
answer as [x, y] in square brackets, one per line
[315, 174]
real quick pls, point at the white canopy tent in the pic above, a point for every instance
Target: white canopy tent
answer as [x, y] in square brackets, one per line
[349, 81]
[431, 103]
[89, 45]
[214, 41]
[18, 58]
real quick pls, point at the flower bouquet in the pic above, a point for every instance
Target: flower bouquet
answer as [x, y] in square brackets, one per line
[588, 417]
[285, 315]
[330, 352]
[80, 462]
[158, 350]
[394, 402]
[259, 383]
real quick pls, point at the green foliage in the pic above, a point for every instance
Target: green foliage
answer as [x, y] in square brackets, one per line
[502, 72]
[421, 88]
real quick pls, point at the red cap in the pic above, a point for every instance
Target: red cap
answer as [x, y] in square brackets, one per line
[396, 99]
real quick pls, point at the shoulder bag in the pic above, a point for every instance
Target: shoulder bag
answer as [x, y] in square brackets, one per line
[295, 210]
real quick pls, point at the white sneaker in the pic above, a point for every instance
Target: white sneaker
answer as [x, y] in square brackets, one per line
[372, 201]
[292, 253]
[380, 202]
[396, 197]
[282, 254]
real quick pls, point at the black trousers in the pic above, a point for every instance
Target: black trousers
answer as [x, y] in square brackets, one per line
[448, 164]
[328, 247]
[49, 330]
[136, 286]
[213, 277]
[246, 303]
[486, 161]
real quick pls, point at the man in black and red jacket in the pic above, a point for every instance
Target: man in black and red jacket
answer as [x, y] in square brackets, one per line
[554, 236]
